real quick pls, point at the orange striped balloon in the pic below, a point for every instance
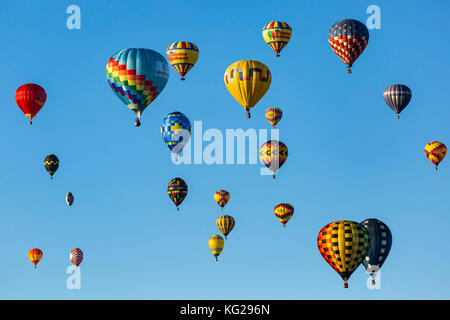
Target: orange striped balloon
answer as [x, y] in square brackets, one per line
[284, 212]
[35, 255]
[435, 152]
[222, 197]
[273, 115]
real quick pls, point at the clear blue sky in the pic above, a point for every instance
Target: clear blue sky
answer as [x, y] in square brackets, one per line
[349, 158]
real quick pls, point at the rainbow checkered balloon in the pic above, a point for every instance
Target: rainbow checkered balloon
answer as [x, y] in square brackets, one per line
[137, 77]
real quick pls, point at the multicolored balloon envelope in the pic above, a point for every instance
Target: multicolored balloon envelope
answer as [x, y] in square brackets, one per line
[397, 97]
[177, 190]
[216, 244]
[348, 38]
[137, 77]
[176, 131]
[30, 98]
[225, 224]
[182, 56]
[51, 164]
[273, 154]
[222, 197]
[248, 81]
[277, 35]
[69, 199]
[380, 245]
[274, 115]
[343, 244]
[35, 255]
[435, 152]
[76, 256]
[284, 212]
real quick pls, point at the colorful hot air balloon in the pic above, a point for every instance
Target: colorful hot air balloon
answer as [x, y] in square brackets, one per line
[69, 199]
[348, 39]
[435, 152]
[222, 197]
[273, 154]
[182, 56]
[277, 35]
[284, 212]
[274, 115]
[137, 77]
[225, 224]
[35, 255]
[216, 244]
[177, 190]
[380, 245]
[343, 245]
[30, 98]
[51, 164]
[397, 97]
[247, 81]
[176, 131]
[76, 256]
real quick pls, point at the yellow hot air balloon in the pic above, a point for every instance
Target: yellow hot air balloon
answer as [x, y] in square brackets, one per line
[277, 35]
[248, 81]
[435, 152]
[225, 224]
[216, 244]
[222, 197]
[182, 56]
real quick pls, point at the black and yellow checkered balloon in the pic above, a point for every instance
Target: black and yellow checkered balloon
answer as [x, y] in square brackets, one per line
[343, 245]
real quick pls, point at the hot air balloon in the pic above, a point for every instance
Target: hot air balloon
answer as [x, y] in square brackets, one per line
[343, 245]
[397, 97]
[273, 154]
[216, 244]
[137, 77]
[182, 56]
[35, 255]
[177, 190]
[247, 81]
[69, 199]
[277, 35]
[380, 245]
[30, 98]
[435, 152]
[348, 38]
[284, 212]
[222, 197]
[225, 224]
[51, 164]
[176, 131]
[76, 256]
[273, 115]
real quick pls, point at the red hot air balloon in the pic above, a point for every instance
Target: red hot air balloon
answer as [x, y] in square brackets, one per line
[30, 98]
